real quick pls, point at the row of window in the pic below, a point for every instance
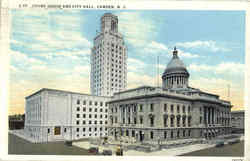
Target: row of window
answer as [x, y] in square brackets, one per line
[90, 109]
[176, 134]
[152, 107]
[90, 129]
[101, 134]
[152, 121]
[90, 116]
[96, 103]
[90, 122]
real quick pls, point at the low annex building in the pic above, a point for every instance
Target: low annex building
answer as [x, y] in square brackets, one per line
[53, 115]
[173, 111]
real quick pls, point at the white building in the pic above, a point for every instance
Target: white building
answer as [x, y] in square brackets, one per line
[53, 115]
[108, 59]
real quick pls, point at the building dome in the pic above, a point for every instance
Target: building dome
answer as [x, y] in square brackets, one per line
[176, 74]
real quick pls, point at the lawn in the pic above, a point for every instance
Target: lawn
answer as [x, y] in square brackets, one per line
[234, 150]
[18, 145]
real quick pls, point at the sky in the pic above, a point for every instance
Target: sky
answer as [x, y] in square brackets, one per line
[51, 49]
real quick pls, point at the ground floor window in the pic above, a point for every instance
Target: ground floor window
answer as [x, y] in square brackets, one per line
[133, 133]
[57, 130]
[172, 134]
[165, 134]
[184, 133]
[152, 135]
[127, 133]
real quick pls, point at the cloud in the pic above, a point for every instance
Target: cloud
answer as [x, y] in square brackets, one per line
[211, 45]
[135, 64]
[222, 68]
[136, 28]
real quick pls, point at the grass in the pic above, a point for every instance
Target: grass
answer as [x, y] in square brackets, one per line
[234, 150]
[18, 145]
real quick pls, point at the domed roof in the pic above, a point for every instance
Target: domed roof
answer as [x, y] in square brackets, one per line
[175, 65]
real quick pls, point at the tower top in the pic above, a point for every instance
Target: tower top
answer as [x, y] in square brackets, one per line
[109, 23]
[175, 53]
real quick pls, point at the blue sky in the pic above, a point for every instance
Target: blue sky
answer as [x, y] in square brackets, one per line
[51, 49]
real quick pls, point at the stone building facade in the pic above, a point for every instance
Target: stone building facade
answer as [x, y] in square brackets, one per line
[53, 115]
[108, 59]
[175, 111]
[238, 121]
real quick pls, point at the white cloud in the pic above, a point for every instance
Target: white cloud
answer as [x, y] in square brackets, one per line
[156, 47]
[21, 58]
[137, 29]
[211, 45]
[135, 64]
[224, 67]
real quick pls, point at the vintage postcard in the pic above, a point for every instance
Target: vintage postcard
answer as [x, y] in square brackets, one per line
[123, 79]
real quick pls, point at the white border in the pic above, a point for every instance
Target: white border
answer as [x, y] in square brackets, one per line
[138, 5]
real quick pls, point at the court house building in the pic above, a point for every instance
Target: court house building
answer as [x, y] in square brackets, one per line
[173, 111]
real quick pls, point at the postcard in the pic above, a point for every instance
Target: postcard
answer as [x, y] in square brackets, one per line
[91, 80]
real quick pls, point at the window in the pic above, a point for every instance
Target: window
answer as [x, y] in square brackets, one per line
[78, 102]
[77, 115]
[165, 134]
[83, 129]
[84, 102]
[78, 109]
[165, 121]
[189, 132]
[65, 130]
[183, 121]
[189, 109]
[101, 103]
[172, 122]
[90, 109]
[165, 107]
[95, 109]
[90, 129]
[141, 107]
[172, 134]
[84, 109]
[151, 121]
[96, 103]
[178, 109]
[183, 109]
[90, 115]
[184, 133]
[100, 122]
[152, 135]
[200, 119]
[48, 131]
[77, 129]
[90, 122]
[95, 122]
[95, 115]
[83, 122]
[90, 103]
[133, 133]
[134, 120]
[178, 134]
[172, 108]
[101, 116]
[151, 107]
[101, 110]
[178, 121]
[83, 115]
[189, 121]
[77, 122]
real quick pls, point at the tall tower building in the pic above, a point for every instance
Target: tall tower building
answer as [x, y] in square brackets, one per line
[108, 59]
